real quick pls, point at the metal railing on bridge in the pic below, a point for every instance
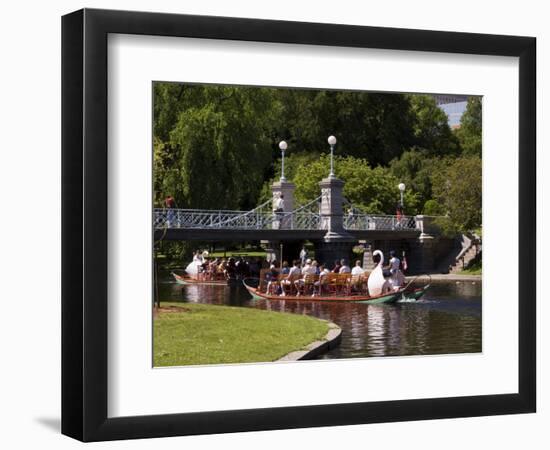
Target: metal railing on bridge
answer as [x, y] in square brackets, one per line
[378, 222]
[299, 219]
[260, 218]
[185, 218]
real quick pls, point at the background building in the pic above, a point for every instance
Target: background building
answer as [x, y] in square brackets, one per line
[453, 105]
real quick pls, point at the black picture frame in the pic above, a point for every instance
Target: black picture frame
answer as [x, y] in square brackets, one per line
[84, 224]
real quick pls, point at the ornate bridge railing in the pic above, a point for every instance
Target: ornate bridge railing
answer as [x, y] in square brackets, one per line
[301, 219]
[195, 218]
[378, 222]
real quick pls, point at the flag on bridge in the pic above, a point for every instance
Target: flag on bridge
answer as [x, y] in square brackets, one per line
[404, 263]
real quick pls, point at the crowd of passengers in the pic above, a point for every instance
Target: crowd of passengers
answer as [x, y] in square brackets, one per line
[230, 268]
[311, 277]
[304, 277]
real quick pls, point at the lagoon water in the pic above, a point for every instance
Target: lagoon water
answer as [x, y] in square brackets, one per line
[446, 320]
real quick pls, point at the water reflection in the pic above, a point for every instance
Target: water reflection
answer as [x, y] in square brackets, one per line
[447, 320]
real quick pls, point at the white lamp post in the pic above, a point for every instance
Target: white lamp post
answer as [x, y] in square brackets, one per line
[401, 187]
[332, 143]
[283, 146]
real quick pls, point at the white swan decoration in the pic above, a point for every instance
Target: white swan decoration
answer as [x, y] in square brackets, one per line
[193, 268]
[377, 284]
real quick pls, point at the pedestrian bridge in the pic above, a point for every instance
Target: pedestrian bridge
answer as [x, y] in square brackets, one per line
[304, 222]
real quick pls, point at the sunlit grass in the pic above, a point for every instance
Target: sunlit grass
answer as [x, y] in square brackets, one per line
[192, 334]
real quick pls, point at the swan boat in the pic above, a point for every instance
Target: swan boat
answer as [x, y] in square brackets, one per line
[408, 292]
[188, 280]
[380, 289]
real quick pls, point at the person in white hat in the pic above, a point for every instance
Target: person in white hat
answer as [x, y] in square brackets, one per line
[310, 268]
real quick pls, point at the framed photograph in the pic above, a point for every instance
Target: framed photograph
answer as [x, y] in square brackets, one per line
[273, 224]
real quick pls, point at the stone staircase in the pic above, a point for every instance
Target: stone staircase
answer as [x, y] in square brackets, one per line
[470, 249]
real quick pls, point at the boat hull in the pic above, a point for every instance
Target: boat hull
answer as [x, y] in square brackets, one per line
[386, 298]
[389, 297]
[193, 281]
[416, 293]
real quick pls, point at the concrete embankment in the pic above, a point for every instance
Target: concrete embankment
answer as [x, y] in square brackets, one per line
[449, 277]
[316, 348]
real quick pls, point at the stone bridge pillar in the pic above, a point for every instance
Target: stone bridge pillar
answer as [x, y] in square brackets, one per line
[426, 225]
[337, 242]
[285, 188]
[424, 250]
[332, 211]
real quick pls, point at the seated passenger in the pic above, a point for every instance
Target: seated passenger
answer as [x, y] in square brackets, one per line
[213, 269]
[357, 270]
[203, 269]
[221, 267]
[294, 273]
[241, 267]
[318, 285]
[231, 269]
[315, 266]
[285, 270]
[272, 276]
[344, 268]
[307, 266]
[397, 279]
[310, 268]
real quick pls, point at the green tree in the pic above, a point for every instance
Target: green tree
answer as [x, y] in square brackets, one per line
[213, 144]
[457, 189]
[217, 146]
[373, 190]
[374, 126]
[170, 99]
[431, 129]
[469, 133]
[416, 169]
[293, 163]
[433, 208]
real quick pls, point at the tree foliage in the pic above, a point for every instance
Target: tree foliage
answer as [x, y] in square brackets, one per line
[431, 128]
[374, 190]
[217, 147]
[414, 169]
[374, 126]
[457, 189]
[469, 133]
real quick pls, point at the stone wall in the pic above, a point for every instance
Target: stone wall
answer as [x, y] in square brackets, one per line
[423, 254]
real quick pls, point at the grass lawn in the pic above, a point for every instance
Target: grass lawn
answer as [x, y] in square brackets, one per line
[191, 334]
